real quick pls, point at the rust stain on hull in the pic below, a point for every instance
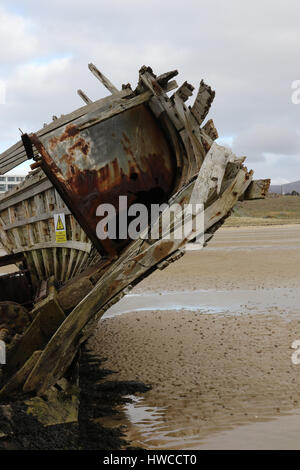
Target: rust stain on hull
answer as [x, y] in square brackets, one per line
[138, 164]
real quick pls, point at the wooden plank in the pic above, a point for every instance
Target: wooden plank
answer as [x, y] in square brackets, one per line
[33, 259]
[71, 244]
[210, 130]
[47, 317]
[120, 108]
[27, 217]
[185, 91]
[211, 173]
[61, 349]
[17, 155]
[18, 380]
[73, 292]
[77, 263]
[25, 192]
[220, 208]
[202, 102]
[103, 79]
[192, 167]
[32, 220]
[14, 148]
[18, 149]
[67, 118]
[72, 257]
[106, 102]
[165, 78]
[16, 234]
[11, 164]
[84, 97]
[258, 189]
[191, 133]
[171, 86]
[150, 82]
[64, 264]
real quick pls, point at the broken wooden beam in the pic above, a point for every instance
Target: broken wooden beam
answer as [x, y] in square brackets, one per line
[84, 97]
[203, 101]
[164, 78]
[17, 381]
[210, 130]
[103, 79]
[47, 317]
[185, 91]
[257, 189]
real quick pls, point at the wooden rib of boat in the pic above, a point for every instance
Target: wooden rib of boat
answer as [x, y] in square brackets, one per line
[27, 227]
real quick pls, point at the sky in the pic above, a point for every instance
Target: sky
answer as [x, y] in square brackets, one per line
[248, 52]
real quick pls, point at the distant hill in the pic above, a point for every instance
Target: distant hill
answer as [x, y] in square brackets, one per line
[285, 188]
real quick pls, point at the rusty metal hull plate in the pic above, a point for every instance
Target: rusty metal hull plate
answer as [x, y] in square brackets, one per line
[126, 155]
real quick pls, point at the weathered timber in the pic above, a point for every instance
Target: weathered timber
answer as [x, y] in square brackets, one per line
[84, 97]
[210, 130]
[27, 229]
[16, 155]
[108, 114]
[104, 80]
[185, 91]
[47, 317]
[257, 189]
[17, 381]
[202, 102]
[142, 144]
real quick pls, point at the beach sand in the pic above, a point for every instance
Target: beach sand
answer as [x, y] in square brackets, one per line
[219, 380]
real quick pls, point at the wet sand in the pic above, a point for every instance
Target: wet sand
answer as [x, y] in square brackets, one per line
[219, 357]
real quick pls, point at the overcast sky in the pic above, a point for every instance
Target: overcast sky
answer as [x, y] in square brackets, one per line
[248, 51]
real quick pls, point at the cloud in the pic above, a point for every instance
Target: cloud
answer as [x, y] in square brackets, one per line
[34, 84]
[263, 138]
[33, 95]
[279, 181]
[17, 40]
[246, 51]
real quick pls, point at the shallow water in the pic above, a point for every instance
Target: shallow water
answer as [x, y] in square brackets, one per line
[277, 433]
[234, 302]
[280, 433]
[223, 380]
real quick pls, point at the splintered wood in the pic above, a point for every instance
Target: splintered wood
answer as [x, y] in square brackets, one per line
[204, 173]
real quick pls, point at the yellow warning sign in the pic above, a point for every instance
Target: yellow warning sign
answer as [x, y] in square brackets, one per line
[60, 228]
[61, 237]
[60, 225]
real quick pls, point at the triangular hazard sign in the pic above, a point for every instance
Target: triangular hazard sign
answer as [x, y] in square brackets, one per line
[60, 225]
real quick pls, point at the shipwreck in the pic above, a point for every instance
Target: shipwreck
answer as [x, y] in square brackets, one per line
[147, 144]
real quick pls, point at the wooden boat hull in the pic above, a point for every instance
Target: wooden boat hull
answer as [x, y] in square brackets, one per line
[27, 227]
[141, 144]
[92, 161]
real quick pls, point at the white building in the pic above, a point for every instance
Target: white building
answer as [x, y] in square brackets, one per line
[9, 182]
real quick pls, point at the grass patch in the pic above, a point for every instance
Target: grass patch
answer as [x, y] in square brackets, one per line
[274, 210]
